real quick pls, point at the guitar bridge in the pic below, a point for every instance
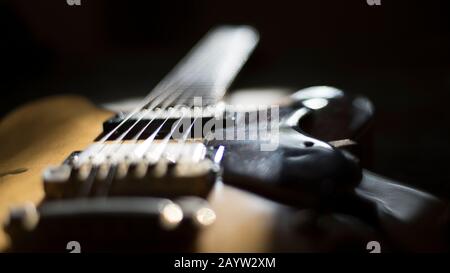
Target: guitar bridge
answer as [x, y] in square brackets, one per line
[94, 173]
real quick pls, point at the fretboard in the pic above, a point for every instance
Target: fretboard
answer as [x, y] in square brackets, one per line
[209, 68]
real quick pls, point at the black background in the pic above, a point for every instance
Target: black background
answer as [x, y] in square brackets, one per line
[397, 54]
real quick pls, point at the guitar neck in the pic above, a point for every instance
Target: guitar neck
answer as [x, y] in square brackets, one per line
[210, 67]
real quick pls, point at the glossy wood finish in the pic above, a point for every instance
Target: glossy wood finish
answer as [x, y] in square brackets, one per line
[39, 134]
[45, 132]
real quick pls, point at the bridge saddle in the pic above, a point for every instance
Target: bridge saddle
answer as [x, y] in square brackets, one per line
[116, 170]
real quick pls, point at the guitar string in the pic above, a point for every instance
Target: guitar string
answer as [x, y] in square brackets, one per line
[181, 98]
[165, 142]
[143, 147]
[224, 84]
[211, 38]
[224, 81]
[151, 98]
[108, 182]
[178, 104]
[182, 72]
[183, 139]
[180, 69]
[175, 96]
[192, 59]
[159, 111]
[89, 185]
[206, 64]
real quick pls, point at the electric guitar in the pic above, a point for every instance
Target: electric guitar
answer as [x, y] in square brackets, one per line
[184, 171]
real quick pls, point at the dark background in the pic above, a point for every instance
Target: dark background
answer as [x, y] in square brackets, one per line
[397, 54]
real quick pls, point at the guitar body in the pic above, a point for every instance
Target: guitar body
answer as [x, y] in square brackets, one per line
[45, 132]
[123, 183]
[37, 135]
